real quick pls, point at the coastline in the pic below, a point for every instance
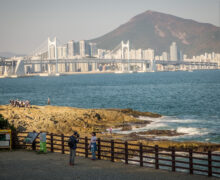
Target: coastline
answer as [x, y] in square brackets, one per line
[59, 74]
[65, 120]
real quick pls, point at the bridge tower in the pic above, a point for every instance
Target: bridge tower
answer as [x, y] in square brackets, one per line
[52, 51]
[125, 50]
[125, 53]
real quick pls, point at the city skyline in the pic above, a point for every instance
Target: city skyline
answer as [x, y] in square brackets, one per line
[82, 49]
[29, 22]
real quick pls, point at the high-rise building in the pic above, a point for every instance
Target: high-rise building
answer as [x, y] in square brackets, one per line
[82, 48]
[92, 49]
[184, 57]
[117, 54]
[173, 52]
[101, 53]
[164, 56]
[65, 47]
[132, 54]
[180, 55]
[71, 49]
[138, 54]
[148, 54]
[60, 52]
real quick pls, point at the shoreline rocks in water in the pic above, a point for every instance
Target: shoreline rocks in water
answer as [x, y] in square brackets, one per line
[149, 135]
[161, 133]
[65, 120]
[129, 126]
[137, 113]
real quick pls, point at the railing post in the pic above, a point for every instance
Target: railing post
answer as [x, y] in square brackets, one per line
[86, 147]
[51, 142]
[209, 163]
[34, 145]
[173, 159]
[62, 139]
[99, 148]
[14, 139]
[190, 161]
[112, 150]
[156, 157]
[141, 154]
[126, 152]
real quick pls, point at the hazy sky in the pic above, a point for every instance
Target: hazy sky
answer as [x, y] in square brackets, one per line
[26, 24]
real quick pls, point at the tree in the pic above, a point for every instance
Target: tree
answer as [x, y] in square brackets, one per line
[4, 124]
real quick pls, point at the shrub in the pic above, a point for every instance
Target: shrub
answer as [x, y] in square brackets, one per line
[4, 124]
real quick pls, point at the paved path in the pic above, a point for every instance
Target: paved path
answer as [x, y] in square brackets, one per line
[28, 165]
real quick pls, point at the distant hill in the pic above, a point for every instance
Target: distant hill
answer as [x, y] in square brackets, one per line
[158, 30]
[9, 54]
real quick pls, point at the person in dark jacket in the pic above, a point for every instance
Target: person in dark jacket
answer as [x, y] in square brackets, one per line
[73, 140]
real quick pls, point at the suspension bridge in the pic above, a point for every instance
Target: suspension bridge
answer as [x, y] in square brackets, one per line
[53, 58]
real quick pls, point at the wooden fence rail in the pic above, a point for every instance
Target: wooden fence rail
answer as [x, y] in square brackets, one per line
[151, 156]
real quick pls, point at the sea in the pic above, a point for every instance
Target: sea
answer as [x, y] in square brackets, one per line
[189, 102]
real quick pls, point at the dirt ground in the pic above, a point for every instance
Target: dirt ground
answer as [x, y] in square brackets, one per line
[28, 165]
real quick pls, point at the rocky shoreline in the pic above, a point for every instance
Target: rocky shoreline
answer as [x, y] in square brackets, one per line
[65, 120]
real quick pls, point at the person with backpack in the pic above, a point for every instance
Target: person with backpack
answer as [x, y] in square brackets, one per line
[72, 143]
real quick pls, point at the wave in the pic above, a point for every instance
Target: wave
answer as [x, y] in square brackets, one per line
[190, 131]
[189, 127]
[168, 119]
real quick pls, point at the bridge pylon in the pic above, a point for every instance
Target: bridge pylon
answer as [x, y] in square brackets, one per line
[125, 49]
[52, 51]
[125, 53]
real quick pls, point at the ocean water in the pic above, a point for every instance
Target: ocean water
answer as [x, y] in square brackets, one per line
[188, 101]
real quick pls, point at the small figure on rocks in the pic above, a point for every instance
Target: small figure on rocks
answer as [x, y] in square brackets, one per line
[48, 101]
[92, 145]
[72, 143]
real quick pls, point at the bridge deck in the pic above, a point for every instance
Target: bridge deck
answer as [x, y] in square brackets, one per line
[25, 165]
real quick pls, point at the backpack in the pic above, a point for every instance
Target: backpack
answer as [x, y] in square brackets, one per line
[71, 142]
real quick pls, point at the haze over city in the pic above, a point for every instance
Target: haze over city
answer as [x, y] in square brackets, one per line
[26, 24]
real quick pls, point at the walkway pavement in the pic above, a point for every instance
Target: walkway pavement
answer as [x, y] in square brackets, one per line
[28, 165]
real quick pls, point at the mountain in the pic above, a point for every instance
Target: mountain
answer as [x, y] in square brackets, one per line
[158, 30]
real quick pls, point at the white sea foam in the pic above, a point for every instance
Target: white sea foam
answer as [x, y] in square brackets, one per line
[192, 131]
[168, 119]
[169, 123]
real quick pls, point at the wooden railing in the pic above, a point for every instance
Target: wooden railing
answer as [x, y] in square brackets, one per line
[204, 163]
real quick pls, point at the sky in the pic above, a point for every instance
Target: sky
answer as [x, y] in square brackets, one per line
[26, 24]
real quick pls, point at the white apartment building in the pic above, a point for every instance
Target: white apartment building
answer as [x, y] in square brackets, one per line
[173, 52]
[93, 49]
[65, 50]
[138, 54]
[148, 54]
[71, 49]
[82, 48]
[101, 53]
[59, 52]
[164, 56]
[132, 54]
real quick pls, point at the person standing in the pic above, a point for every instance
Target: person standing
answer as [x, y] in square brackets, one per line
[93, 146]
[72, 143]
[43, 144]
[48, 101]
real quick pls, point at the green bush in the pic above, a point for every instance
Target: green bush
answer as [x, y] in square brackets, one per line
[4, 124]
